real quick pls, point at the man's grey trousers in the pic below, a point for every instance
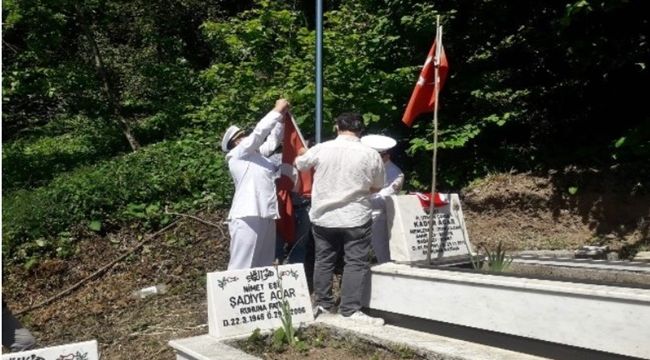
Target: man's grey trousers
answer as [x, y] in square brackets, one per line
[354, 244]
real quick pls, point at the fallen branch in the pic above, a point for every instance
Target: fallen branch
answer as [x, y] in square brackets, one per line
[220, 227]
[100, 271]
[165, 330]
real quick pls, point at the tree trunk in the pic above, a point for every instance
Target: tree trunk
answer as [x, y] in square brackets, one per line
[107, 87]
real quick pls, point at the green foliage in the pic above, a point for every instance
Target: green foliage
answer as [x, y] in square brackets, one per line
[267, 52]
[533, 85]
[186, 173]
[287, 333]
[61, 145]
[95, 225]
[497, 260]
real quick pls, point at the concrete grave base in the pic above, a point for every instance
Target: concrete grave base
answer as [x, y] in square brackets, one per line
[597, 317]
[206, 347]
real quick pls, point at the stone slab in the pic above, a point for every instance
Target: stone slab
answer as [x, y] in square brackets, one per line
[206, 347]
[408, 225]
[428, 345]
[616, 265]
[642, 256]
[241, 301]
[573, 314]
[86, 350]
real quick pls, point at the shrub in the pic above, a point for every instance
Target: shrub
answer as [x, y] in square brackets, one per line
[185, 174]
[59, 146]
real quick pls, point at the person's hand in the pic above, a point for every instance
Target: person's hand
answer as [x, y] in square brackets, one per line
[281, 106]
[302, 150]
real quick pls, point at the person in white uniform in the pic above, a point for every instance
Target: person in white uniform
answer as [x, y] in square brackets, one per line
[251, 220]
[392, 185]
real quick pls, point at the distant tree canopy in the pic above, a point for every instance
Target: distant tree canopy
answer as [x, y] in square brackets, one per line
[533, 85]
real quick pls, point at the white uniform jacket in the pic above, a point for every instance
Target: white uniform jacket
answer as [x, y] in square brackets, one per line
[253, 173]
[392, 185]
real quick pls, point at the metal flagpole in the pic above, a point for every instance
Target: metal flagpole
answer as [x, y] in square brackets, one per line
[436, 87]
[319, 69]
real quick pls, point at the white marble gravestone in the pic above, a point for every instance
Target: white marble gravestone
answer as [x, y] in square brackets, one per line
[408, 225]
[86, 350]
[241, 301]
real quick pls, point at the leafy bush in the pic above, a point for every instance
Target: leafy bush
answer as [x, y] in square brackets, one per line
[136, 187]
[59, 146]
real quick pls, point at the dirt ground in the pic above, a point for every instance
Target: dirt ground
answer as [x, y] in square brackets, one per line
[528, 212]
[524, 211]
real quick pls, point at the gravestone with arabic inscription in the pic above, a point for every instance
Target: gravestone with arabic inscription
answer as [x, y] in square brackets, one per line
[86, 350]
[241, 301]
[408, 226]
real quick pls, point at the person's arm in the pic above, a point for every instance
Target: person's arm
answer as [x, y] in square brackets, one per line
[306, 159]
[394, 187]
[273, 140]
[254, 141]
[378, 174]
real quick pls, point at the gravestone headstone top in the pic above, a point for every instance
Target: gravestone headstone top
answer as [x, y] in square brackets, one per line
[86, 350]
[408, 225]
[241, 301]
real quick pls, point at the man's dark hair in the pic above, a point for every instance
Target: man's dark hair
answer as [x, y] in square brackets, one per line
[350, 121]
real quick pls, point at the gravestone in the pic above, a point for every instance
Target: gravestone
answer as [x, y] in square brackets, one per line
[86, 350]
[408, 225]
[241, 301]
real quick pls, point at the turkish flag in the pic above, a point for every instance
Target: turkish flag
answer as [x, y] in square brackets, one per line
[423, 97]
[439, 200]
[291, 179]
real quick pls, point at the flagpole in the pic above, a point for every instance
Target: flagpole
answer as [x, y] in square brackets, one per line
[319, 69]
[295, 125]
[436, 87]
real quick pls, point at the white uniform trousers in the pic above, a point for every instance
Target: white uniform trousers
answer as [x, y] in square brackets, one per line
[379, 241]
[252, 242]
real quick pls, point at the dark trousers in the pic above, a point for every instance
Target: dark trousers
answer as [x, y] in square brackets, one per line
[302, 250]
[14, 335]
[354, 245]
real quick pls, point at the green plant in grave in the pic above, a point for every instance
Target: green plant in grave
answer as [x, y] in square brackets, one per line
[497, 260]
[287, 333]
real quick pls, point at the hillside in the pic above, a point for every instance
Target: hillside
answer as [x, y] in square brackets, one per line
[532, 212]
[523, 210]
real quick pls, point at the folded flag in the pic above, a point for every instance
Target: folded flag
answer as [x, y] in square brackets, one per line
[439, 200]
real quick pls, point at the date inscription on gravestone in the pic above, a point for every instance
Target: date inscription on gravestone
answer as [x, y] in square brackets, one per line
[240, 301]
[408, 225]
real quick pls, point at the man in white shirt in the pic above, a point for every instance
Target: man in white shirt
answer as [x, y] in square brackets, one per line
[254, 205]
[346, 173]
[392, 186]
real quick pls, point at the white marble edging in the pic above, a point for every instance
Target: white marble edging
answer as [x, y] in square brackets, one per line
[572, 288]
[598, 317]
[207, 347]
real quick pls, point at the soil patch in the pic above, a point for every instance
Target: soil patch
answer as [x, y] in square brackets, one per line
[557, 212]
[104, 308]
[321, 343]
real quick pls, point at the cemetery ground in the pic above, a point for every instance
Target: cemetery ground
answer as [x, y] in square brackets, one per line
[558, 211]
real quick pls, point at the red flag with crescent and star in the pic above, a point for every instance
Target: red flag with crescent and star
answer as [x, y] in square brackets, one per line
[423, 97]
[291, 179]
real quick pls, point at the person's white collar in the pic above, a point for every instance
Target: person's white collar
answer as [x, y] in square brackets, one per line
[347, 137]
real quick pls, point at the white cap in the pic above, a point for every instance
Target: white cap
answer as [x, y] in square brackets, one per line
[380, 143]
[230, 132]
